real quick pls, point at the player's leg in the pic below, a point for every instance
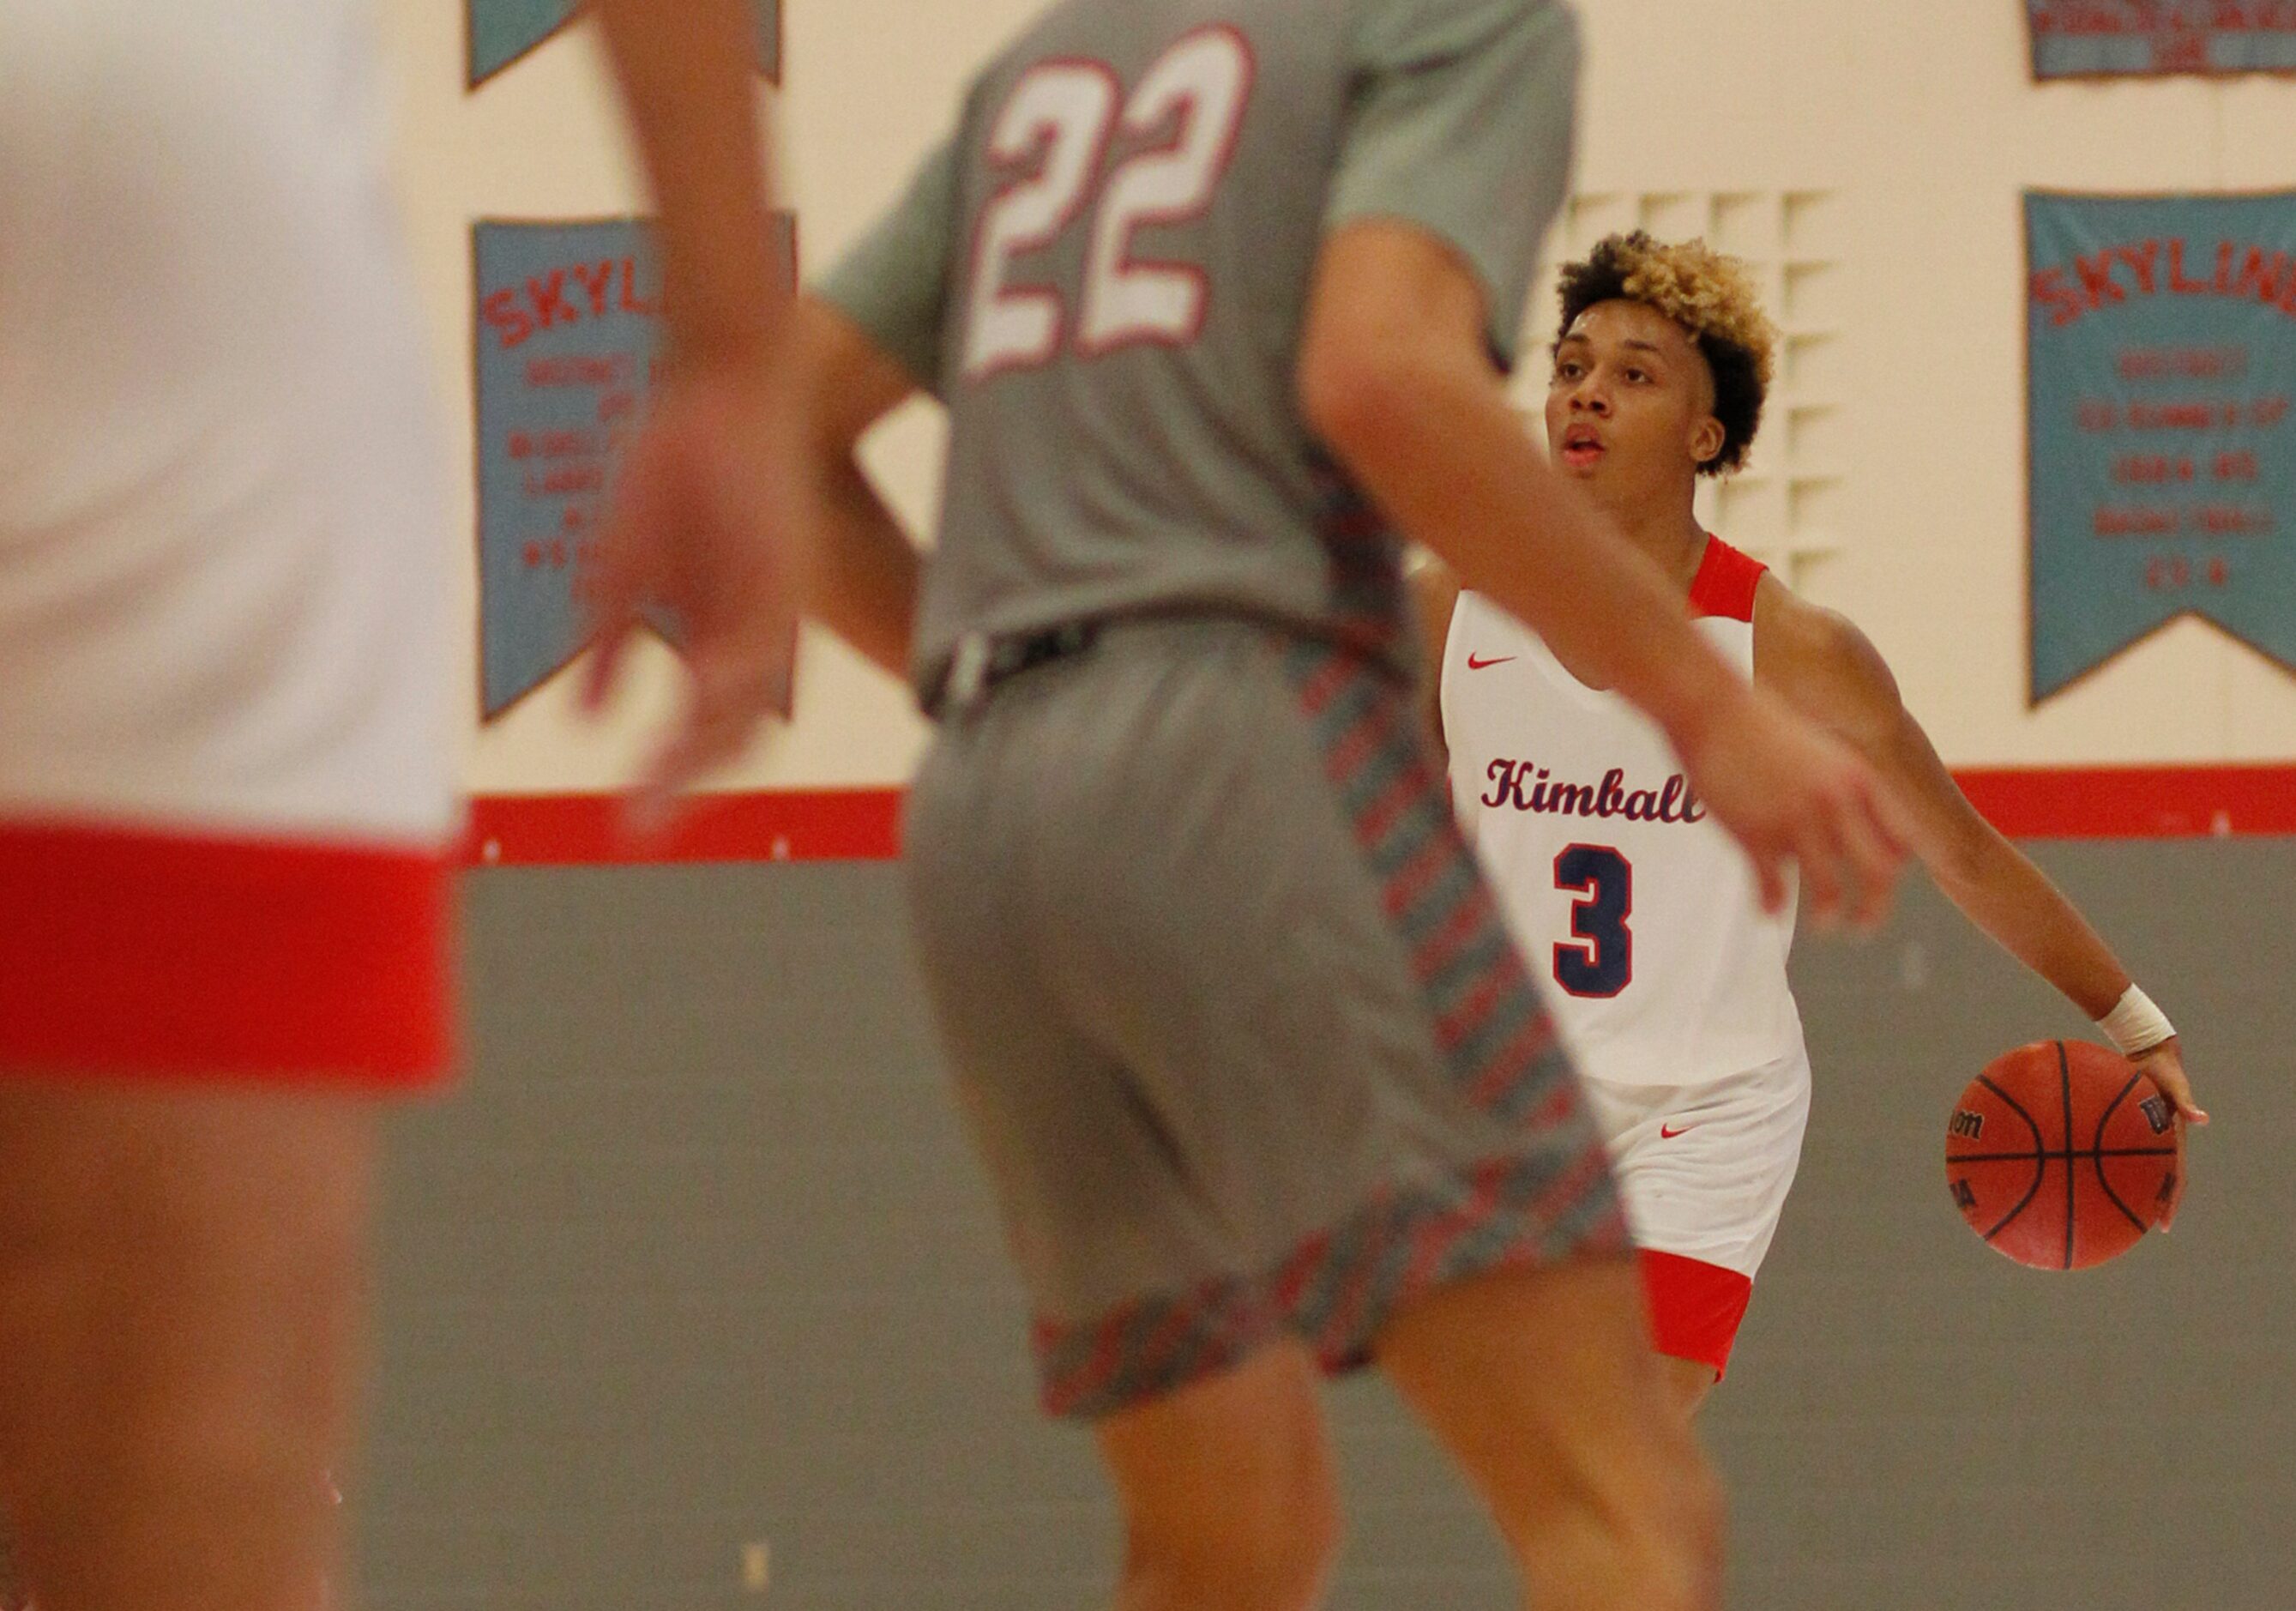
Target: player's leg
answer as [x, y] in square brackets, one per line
[1541, 1385]
[1689, 1382]
[182, 1280]
[1227, 1490]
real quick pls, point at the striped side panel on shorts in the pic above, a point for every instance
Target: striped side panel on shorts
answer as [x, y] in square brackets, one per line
[1551, 1198]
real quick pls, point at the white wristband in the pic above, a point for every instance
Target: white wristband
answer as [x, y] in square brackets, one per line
[2135, 1024]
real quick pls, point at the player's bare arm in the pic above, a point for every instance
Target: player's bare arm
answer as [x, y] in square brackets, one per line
[1830, 670]
[704, 521]
[866, 572]
[1394, 376]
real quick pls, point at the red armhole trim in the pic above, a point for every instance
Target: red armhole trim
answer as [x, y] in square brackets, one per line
[1725, 582]
[195, 958]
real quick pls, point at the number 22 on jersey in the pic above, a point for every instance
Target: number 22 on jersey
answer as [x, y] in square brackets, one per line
[1053, 132]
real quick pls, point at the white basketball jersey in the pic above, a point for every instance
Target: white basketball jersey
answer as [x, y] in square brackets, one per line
[1639, 915]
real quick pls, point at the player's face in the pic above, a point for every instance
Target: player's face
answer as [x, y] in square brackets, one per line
[1631, 402]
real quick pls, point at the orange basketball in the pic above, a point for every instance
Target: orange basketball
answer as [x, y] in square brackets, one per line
[2061, 1155]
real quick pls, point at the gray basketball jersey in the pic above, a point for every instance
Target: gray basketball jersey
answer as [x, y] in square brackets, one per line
[1104, 274]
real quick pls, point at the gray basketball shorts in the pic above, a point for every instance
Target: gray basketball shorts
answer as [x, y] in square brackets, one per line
[1234, 1019]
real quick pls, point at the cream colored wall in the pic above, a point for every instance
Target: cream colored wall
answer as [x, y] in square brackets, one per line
[1917, 120]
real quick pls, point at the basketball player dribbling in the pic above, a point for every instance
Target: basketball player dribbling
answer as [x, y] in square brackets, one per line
[227, 807]
[1669, 977]
[1211, 293]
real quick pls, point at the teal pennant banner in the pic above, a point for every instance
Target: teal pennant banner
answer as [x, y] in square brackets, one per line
[2161, 357]
[567, 323]
[503, 30]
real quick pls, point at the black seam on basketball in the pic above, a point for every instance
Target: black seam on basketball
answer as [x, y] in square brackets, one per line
[2051, 1158]
[2065, 1085]
[2105, 1118]
[2096, 1153]
[2098, 1164]
[2016, 1108]
[2040, 1162]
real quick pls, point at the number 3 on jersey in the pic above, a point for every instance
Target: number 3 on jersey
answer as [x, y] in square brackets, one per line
[1603, 962]
[1054, 131]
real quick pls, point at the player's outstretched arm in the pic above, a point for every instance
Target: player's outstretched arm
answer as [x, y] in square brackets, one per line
[865, 572]
[1394, 377]
[1827, 669]
[706, 520]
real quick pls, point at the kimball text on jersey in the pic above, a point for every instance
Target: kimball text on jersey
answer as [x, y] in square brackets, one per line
[1527, 787]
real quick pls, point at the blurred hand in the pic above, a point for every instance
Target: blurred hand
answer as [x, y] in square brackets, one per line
[705, 521]
[1788, 794]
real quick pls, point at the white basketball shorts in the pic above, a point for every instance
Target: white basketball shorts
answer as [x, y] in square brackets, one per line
[1705, 1170]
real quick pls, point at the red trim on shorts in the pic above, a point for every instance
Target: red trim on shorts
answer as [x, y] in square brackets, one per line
[137, 952]
[1695, 1307]
[1725, 582]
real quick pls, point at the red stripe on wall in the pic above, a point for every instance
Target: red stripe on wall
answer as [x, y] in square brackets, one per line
[864, 824]
[582, 830]
[2135, 802]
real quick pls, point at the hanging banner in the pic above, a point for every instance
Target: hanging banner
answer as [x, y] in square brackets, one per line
[568, 316]
[2086, 38]
[501, 31]
[2162, 354]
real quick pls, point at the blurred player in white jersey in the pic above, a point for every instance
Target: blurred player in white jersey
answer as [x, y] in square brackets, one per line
[1669, 976]
[226, 803]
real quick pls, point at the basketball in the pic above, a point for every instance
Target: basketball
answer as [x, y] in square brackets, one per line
[2062, 1154]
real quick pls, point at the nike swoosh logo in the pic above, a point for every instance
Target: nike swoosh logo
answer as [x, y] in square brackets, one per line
[1667, 1132]
[1474, 664]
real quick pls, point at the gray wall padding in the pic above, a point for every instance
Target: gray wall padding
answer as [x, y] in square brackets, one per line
[698, 1260]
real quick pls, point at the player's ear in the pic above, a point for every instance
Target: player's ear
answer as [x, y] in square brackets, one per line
[1707, 440]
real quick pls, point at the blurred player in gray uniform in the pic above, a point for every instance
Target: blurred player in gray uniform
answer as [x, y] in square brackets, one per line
[1219, 299]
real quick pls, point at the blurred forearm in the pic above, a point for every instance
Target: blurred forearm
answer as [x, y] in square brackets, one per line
[687, 73]
[866, 571]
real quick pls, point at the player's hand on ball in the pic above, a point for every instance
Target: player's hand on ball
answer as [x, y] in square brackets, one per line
[705, 524]
[1789, 793]
[2164, 1064]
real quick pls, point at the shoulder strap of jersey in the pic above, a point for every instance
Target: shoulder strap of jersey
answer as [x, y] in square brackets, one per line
[1725, 582]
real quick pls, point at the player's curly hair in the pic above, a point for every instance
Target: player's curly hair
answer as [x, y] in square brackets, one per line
[1710, 296]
